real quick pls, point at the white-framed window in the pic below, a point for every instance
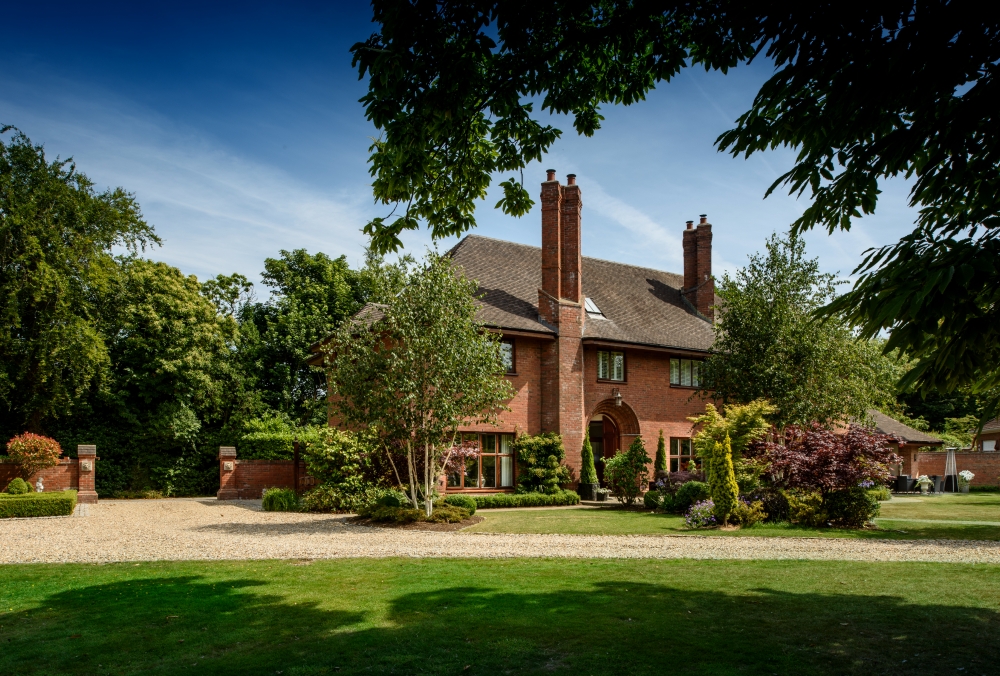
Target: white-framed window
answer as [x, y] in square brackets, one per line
[611, 365]
[685, 372]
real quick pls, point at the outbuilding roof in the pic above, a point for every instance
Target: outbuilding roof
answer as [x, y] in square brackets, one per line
[640, 306]
[887, 425]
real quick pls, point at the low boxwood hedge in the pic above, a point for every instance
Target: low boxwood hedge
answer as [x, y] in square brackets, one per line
[501, 500]
[37, 504]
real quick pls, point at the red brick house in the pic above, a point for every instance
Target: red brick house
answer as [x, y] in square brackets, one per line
[592, 344]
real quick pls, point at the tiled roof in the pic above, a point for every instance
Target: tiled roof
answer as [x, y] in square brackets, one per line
[992, 425]
[640, 305]
[887, 425]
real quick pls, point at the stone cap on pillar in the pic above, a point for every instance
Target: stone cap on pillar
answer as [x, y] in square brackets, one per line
[86, 450]
[227, 451]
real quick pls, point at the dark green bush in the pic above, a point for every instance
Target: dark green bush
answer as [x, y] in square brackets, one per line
[18, 486]
[394, 498]
[501, 500]
[384, 514]
[540, 467]
[447, 514]
[37, 504]
[280, 500]
[852, 507]
[626, 472]
[984, 489]
[345, 497]
[652, 500]
[881, 493]
[463, 501]
[688, 494]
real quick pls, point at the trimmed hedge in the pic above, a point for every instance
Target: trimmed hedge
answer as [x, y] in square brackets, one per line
[37, 504]
[501, 500]
[463, 501]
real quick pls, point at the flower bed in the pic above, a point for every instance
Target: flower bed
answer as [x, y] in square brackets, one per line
[37, 504]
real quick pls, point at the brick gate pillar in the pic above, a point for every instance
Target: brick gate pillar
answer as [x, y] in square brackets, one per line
[86, 458]
[227, 474]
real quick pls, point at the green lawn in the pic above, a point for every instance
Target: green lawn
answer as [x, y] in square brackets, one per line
[440, 616]
[943, 516]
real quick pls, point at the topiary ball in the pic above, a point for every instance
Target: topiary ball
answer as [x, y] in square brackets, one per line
[18, 487]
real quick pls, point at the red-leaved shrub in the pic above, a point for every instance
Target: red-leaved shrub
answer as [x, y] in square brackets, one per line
[815, 458]
[33, 453]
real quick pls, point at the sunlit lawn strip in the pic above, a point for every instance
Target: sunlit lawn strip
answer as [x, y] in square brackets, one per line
[440, 616]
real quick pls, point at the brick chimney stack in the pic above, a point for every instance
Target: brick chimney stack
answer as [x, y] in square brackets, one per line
[699, 287]
[551, 201]
[571, 259]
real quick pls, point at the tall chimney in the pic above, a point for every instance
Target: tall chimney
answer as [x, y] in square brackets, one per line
[571, 260]
[706, 285]
[699, 288]
[551, 200]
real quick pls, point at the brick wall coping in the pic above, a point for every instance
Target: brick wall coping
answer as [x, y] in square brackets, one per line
[227, 451]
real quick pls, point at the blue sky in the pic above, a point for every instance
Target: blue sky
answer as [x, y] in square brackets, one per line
[239, 130]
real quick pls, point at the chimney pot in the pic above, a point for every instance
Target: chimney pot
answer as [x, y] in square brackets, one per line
[690, 224]
[571, 179]
[704, 218]
[550, 174]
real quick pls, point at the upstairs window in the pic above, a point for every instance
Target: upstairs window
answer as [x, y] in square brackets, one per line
[507, 356]
[611, 365]
[684, 372]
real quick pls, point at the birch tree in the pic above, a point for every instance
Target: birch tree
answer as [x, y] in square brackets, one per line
[412, 370]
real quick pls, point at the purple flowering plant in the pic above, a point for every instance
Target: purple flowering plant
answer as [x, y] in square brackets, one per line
[701, 515]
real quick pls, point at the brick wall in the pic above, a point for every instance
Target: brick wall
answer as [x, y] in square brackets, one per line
[248, 479]
[986, 466]
[64, 476]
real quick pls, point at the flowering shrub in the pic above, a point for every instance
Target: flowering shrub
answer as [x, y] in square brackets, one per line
[965, 477]
[33, 453]
[701, 515]
[815, 458]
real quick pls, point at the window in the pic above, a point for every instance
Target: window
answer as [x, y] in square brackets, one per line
[989, 445]
[507, 355]
[681, 454]
[611, 365]
[492, 467]
[684, 372]
[592, 309]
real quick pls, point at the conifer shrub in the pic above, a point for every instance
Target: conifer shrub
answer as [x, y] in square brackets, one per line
[463, 501]
[660, 463]
[722, 480]
[588, 473]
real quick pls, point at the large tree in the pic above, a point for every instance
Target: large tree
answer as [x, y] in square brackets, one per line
[769, 346]
[56, 239]
[413, 369]
[863, 92]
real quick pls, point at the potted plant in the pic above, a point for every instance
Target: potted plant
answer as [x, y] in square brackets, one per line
[965, 478]
[924, 483]
[601, 494]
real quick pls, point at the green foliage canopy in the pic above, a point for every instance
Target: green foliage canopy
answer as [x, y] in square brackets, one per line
[863, 93]
[768, 345]
[540, 467]
[626, 472]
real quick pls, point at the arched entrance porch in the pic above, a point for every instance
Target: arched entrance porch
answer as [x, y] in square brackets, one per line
[612, 427]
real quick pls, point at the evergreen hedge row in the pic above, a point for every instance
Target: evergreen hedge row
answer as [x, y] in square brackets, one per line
[37, 504]
[501, 500]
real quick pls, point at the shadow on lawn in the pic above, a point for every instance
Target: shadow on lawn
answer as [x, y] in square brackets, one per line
[188, 624]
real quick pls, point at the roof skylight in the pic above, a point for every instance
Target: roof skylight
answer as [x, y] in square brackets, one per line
[592, 309]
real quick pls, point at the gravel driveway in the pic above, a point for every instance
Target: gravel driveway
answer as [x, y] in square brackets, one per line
[190, 529]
